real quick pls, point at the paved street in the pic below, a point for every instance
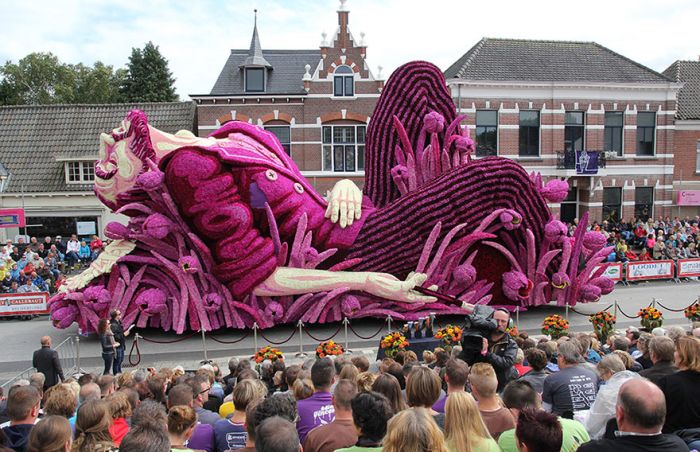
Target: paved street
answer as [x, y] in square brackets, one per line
[19, 338]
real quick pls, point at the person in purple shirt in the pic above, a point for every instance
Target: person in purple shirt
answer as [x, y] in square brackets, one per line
[317, 409]
[456, 374]
[203, 436]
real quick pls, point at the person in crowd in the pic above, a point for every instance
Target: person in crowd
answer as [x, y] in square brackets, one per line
[232, 377]
[46, 361]
[464, 428]
[120, 410]
[371, 413]
[181, 423]
[414, 430]
[484, 383]
[456, 376]
[96, 247]
[72, 251]
[644, 255]
[632, 334]
[52, 434]
[147, 437]
[643, 346]
[23, 405]
[519, 395]
[388, 386]
[109, 345]
[341, 432]
[231, 433]
[277, 434]
[574, 387]
[521, 368]
[538, 431]
[88, 391]
[640, 415]
[92, 428]
[423, 390]
[613, 372]
[203, 436]
[303, 389]
[317, 409]
[365, 380]
[537, 359]
[28, 287]
[661, 353]
[361, 362]
[106, 384]
[60, 400]
[115, 324]
[200, 390]
[682, 389]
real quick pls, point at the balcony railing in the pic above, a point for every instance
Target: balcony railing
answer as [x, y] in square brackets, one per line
[587, 162]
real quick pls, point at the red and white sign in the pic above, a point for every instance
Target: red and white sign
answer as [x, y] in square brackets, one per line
[688, 198]
[688, 267]
[24, 303]
[639, 271]
[613, 270]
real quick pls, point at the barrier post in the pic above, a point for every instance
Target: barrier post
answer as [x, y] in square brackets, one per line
[345, 326]
[567, 311]
[615, 308]
[653, 303]
[388, 323]
[517, 316]
[255, 337]
[301, 353]
[77, 354]
[204, 343]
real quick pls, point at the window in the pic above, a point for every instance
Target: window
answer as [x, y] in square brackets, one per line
[573, 131]
[529, 133]
[80, 172]
[643, 202]
[486, 132]
[646, 125]
[344, 148]
[254, 80]
[283, 135]
[613, 132]
[344, 82]
[612, 203]
[569, 207]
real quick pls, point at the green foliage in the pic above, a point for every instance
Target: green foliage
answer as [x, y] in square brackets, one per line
[148, 78]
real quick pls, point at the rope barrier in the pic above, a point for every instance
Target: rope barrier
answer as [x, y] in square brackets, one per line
[168, 342]
[323, 340]
[625, 315]
[587, 315]
[368, 337]
[235, 341]
[675, 310]
[134, 344]
[294, 331]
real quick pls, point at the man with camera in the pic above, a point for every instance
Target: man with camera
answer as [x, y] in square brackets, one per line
[485, 340]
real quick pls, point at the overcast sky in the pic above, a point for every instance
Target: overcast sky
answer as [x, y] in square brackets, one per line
[196, 36]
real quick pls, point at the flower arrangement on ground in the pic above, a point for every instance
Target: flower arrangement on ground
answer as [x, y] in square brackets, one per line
[329, 348]
[555, 326]
[603, 324]
[513, 331]
[392, 343]
[692, 312]
[450, 336]
[268, 353]
[650, 318]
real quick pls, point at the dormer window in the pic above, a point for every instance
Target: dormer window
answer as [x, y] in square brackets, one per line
[255, 80]
[344, 82]
[80, 172]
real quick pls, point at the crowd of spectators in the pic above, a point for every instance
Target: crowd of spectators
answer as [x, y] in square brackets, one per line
[638, 391]
[42, 266]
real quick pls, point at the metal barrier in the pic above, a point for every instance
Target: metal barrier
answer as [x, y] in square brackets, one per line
[69, 356]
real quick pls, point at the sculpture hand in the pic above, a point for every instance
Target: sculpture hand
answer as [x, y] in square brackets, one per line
[344, 203]
[390, 287]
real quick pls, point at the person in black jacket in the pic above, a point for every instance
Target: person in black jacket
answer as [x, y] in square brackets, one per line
[117, 328]
[47, 362]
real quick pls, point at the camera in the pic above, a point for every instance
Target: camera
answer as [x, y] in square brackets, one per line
[479, 325]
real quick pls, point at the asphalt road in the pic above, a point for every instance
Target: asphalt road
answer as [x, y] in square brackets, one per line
[18, 339]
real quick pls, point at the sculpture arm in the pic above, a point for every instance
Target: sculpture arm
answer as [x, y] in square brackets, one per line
[295, 281]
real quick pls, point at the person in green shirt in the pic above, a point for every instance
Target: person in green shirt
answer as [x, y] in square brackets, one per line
[518, 395]
[371, 412]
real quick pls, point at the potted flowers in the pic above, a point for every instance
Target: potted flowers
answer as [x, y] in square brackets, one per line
[650, 318]
[450, 336]
[268, 353]
[392, 343]
[603, 324]
[555, 326]
[692, 312]
[329, 348]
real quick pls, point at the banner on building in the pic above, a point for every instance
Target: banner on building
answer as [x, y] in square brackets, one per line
[688, 198]
[688, 268]
[613, 270]
[586, 162]
[12, 218]
[637, 271]
[24, 303]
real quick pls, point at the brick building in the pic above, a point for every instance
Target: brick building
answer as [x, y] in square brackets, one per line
[577, 111]
[318, 102]
[686, 175]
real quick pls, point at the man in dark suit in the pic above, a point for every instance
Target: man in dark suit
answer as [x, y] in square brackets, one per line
[46, 361]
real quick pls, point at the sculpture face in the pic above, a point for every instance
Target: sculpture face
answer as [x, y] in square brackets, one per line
[118, 167]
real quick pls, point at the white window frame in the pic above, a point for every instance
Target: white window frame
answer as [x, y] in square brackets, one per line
[332, 144]
[85, 167]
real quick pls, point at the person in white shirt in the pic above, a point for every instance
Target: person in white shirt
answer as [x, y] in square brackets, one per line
[72, 250]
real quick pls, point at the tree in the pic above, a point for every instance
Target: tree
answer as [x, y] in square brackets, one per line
[97, 85]
[148, 78]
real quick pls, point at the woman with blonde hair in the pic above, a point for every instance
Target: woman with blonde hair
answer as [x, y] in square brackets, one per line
[303, 388]
[364, 381]
[465, 430]
[92, 428]
[414, 430]
[52, 434]
[181, 423]
[682, 389]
